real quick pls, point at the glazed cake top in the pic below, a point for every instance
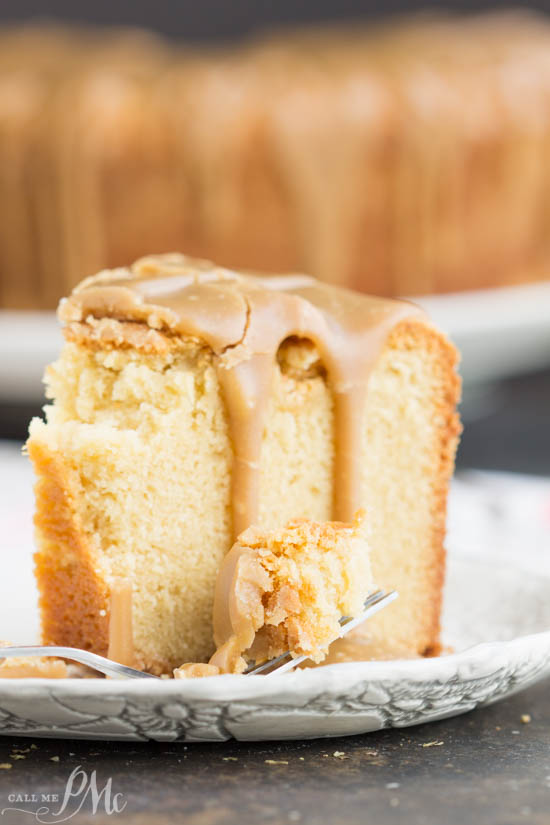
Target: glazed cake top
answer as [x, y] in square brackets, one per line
[244, 318]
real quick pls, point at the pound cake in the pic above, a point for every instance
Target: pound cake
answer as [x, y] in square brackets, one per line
[191, 402]
[402, 158]
[286, 590]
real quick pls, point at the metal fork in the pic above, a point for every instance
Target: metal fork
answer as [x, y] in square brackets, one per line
[83, 657]
[281, 664]
[374, 603]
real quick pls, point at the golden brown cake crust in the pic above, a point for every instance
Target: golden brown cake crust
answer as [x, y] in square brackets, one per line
[73, 598]
[449, 443]
[450, 434]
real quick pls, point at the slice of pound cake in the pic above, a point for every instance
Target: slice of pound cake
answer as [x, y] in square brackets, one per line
[191, 402]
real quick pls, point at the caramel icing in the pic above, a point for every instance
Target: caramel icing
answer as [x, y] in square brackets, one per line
[238, 610]
[244, 318]
[121, 642]
[196, 670]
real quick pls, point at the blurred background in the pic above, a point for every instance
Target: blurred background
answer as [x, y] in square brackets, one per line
[404, 153]
[220, 20]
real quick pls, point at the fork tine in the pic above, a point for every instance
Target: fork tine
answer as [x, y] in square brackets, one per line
[371, 599]
[381, 601]
[267, 665]
[290, 665]
[373, 603]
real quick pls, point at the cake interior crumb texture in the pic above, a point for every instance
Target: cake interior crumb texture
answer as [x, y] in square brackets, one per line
[134, 472]
[287, 589]
[314, 574]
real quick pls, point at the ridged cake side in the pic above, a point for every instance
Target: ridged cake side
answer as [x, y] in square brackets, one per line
[401, 159]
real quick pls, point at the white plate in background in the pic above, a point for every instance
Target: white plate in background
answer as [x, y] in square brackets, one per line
[28, 342]
[500, 332]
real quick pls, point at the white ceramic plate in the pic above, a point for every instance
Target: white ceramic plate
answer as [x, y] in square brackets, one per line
[499, 332]
[497, 617]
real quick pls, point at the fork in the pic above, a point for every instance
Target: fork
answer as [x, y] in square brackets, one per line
[374, 603]
[285, 662]
[76, 654]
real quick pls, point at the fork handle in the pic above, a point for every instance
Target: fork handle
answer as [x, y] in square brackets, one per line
[75, 654]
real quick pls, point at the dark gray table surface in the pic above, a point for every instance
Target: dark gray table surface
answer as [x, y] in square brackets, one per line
[484, 767]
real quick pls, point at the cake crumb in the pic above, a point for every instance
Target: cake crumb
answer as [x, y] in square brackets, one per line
[515, 732]
[340, 755]
[329, 555]
[34, 747]
[5, 766]
[54, 758]
[433, 744]
[229, 759]
[392, 785]
[275, 762]
[525, 718]
[15, 756]
[302, 758]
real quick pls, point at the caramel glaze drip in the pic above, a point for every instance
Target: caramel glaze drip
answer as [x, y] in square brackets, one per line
[244, 319]
[121, 642]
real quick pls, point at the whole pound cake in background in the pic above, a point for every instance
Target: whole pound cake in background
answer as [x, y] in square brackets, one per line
[190, 402]
[76, 110]
[399, 159]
